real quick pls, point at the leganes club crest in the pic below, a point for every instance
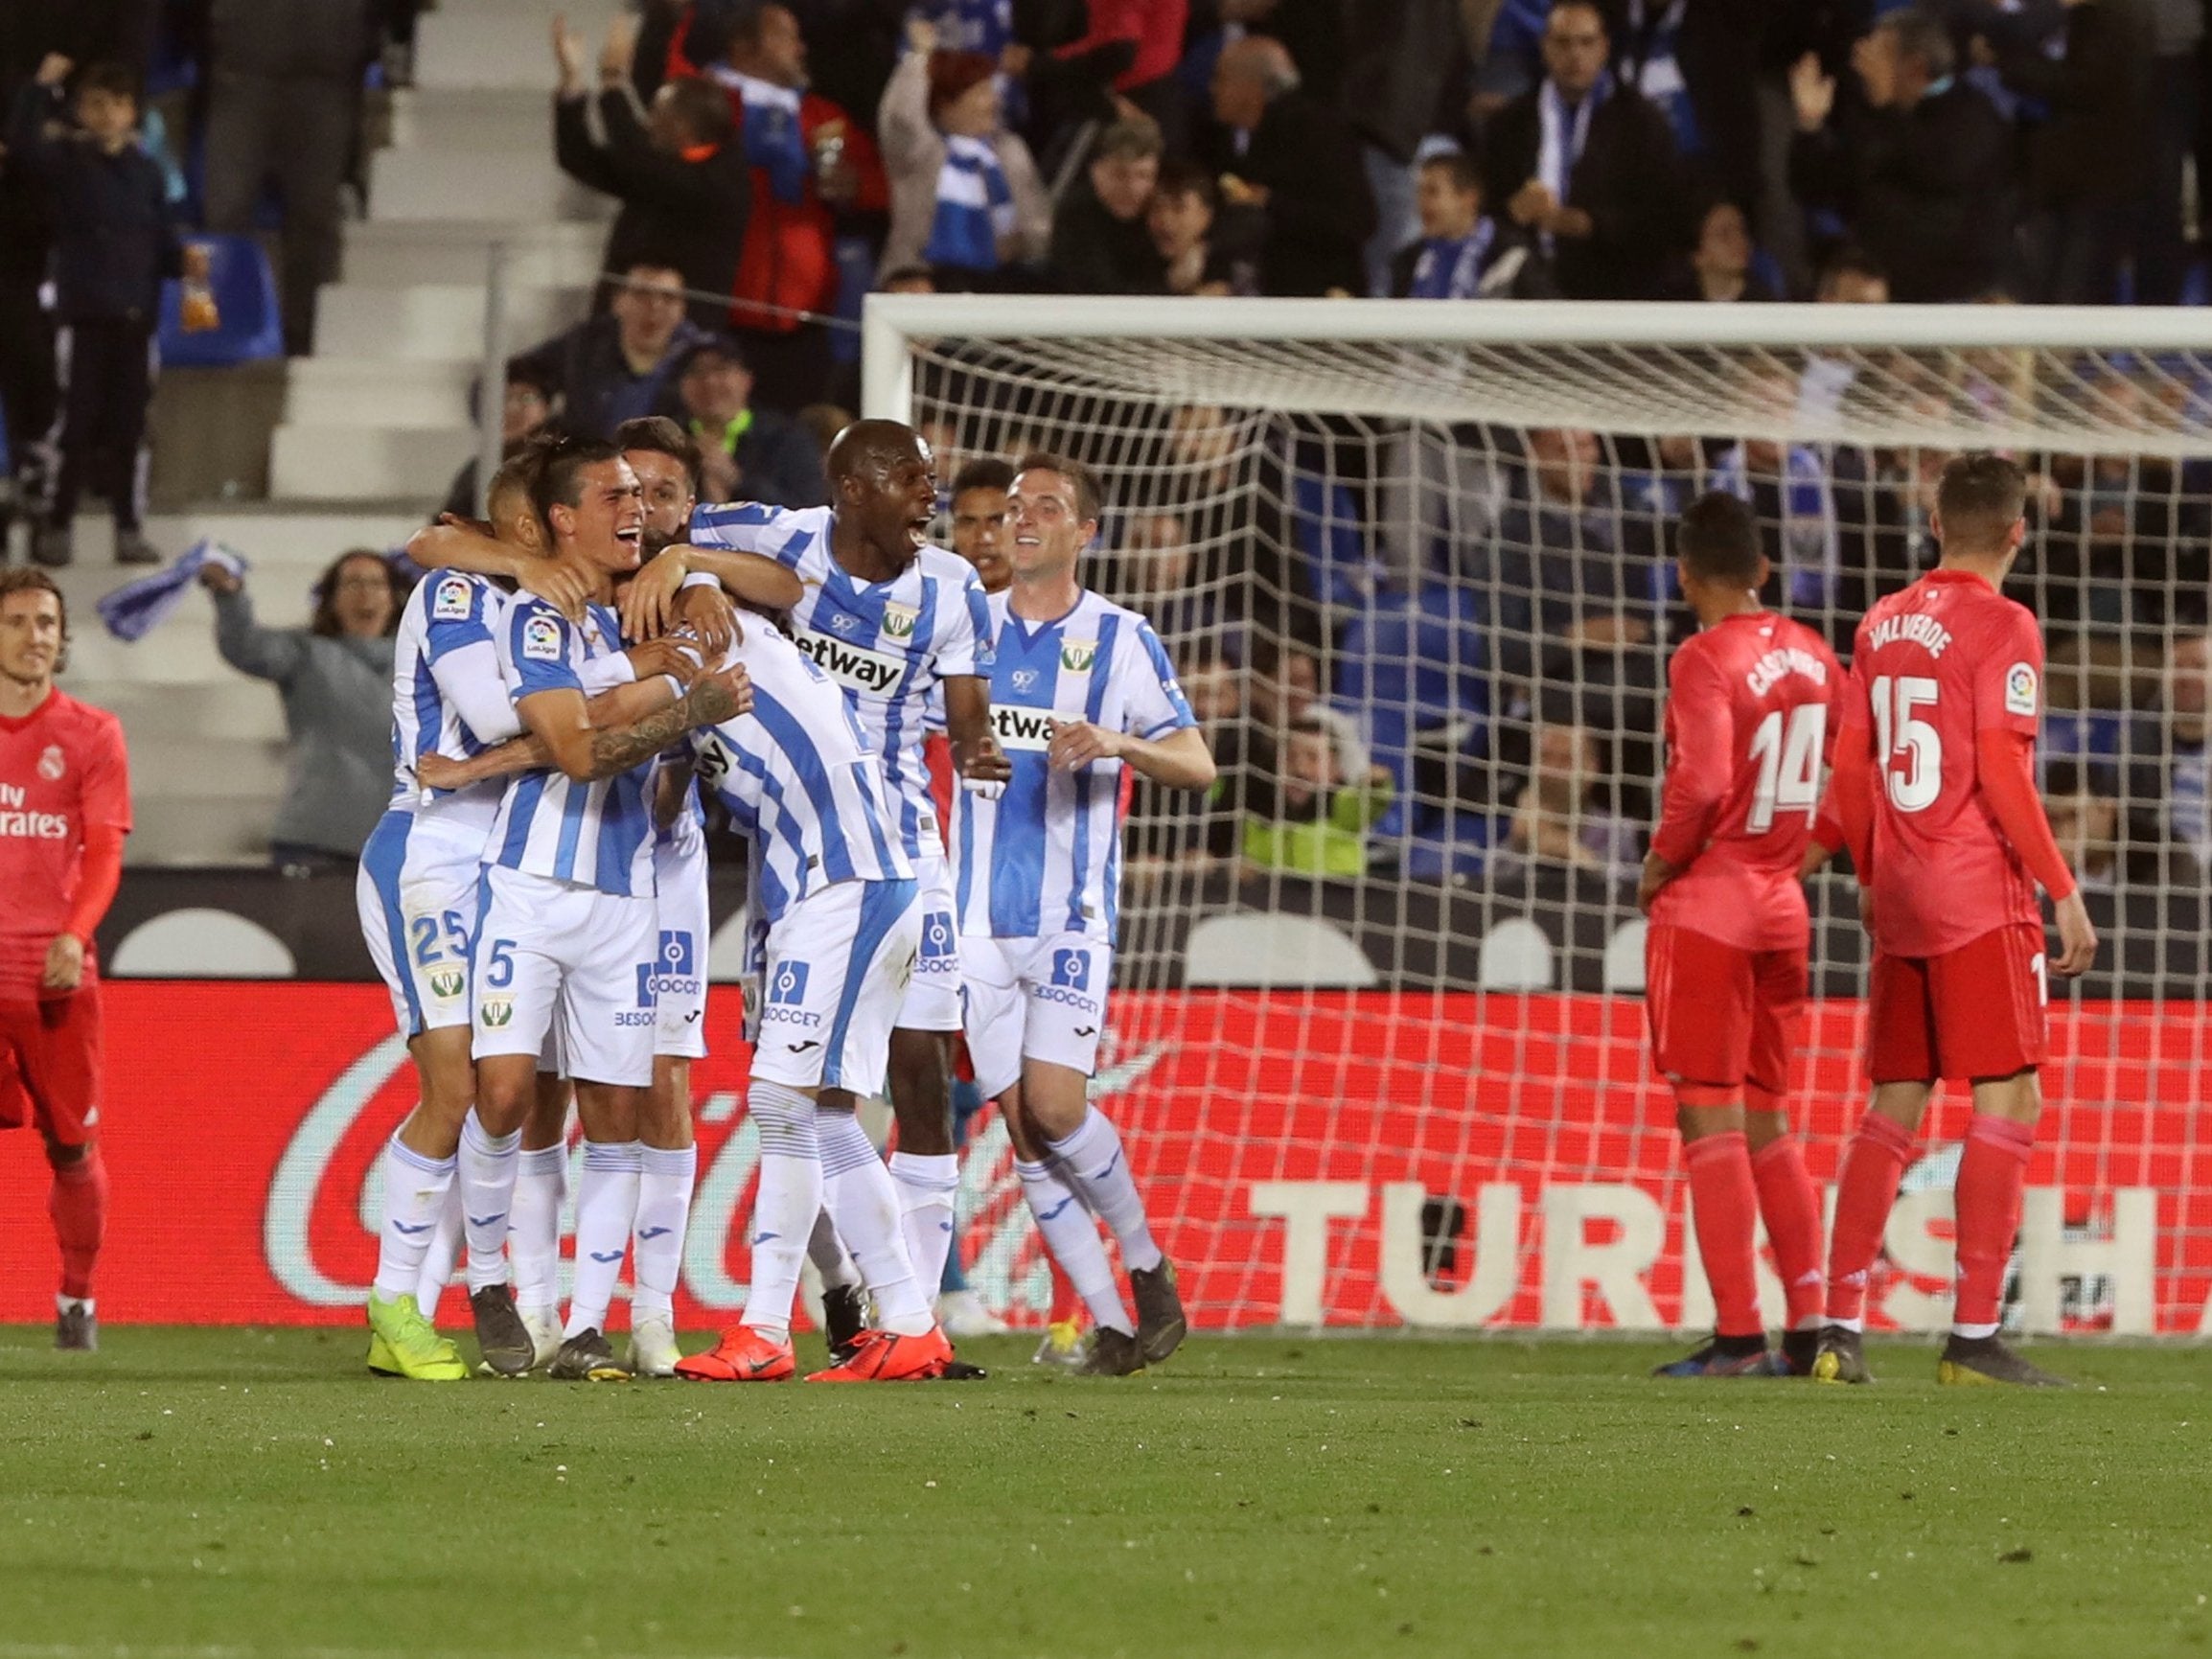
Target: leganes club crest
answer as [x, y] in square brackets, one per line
[1076, 656]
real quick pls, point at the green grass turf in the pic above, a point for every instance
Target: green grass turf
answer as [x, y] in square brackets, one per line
[252, 1491]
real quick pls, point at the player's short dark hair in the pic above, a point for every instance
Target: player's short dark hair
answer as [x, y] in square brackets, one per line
[113, 79]
[1459, 166]
[1189, 179]
[1593, 7]
[559, 467]
[29, 579]
[658, 435]
[1090, 500]
[324, 620]
[701, 106]
[2071, 775]
[1718, 540]
[1980, 497]
[983, 472]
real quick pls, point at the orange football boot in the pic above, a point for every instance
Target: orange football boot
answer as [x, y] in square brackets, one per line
[883, 1357]
[742, 1355]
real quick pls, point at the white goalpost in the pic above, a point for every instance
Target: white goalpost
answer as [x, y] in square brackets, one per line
[1377, 1040]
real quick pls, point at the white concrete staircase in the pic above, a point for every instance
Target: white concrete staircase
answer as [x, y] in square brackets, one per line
[379, 412]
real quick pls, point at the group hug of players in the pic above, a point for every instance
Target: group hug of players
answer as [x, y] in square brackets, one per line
[567, 680]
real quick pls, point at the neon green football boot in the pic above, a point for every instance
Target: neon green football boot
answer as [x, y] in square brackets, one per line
[403, 1342]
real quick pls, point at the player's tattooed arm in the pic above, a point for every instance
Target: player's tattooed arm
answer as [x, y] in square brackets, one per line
[712, 699]
[611, 710]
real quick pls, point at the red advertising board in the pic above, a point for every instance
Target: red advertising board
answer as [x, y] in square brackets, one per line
[1348, 1158]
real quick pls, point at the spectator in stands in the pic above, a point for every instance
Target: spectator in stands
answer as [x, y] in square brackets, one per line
[965, 195]
[335, 675]
[1320, 817]
[1920, 169]
[2110, 851]
[1787, 488]
[1205, 250]
[1851, 277]
[1587, 168]
[1101, 241]
[1160, 576]
[1463, 253]
[746, 453]
[2090, 160]
[1402, 66]
[1552, 578]
[2170, 766]
[685, 190]
[1560, 818]
[1299, 164]
[525, 407]
[114, 244]
[284, 102]
[2178, 114]
[1228, 489]
[1721, 265]
[621, 364]
[815, 171]
[1129, 48]
[908, 279]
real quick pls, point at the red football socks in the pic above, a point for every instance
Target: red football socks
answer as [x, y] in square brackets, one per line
[1723, 1206]
[77, 1203]
[1067, 1304]
[1791, 1208]
[1992, 1171]
[1873, 1164]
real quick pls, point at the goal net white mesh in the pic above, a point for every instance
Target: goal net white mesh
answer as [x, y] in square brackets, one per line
[1377, 1044]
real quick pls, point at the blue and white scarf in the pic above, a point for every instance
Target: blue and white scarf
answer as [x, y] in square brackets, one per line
[975, 207]
[774, 141]
[134, 610]
[985, 26]
[1656, 69]
[1808, 536]
[1562, 134]
[1450, 269]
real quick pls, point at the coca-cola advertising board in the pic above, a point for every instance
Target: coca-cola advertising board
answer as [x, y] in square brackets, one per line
[1437, 1160]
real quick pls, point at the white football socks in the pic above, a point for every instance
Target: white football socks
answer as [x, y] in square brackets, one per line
[439, 1261]
[1093, 1160]
[606, 1211]
[666, 1176]
[415, 1193]
[534, 1230]
[1071, 1234]
[864, 1200]
[925, 1188]
[786, 1205]
[486, 1167]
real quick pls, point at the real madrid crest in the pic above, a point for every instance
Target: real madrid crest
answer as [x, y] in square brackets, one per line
[53, 763]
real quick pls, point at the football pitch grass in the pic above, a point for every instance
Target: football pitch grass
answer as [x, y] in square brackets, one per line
[232, 1493]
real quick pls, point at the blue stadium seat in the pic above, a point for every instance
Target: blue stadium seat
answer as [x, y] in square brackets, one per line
[244, 289]
[1327, 525]
[1414, 663]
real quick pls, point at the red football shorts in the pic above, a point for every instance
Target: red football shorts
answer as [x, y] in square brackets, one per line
[1973, 1012]
[50, 1066]
[1723, 1019]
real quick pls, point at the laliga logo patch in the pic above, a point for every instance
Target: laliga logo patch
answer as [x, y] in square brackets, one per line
[496, 1012]
[453, 601]
[787, 990]
[2020, 690]
[899, 621]
[53, 763]
[1076, 656]
[541, 639]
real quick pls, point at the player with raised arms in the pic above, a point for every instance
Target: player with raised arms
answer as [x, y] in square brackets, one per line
[64, 812]
[1081, 694]
[891, 618]
[1748, 699]
[1934, 793]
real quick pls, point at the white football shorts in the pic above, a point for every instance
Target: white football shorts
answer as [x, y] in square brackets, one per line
[680, 965]
[934, 998]
[839, 966]
[552, 957]
[1038, 998]
[417, 894]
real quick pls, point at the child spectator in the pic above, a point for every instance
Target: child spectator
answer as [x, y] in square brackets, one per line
[1320, 823]
[114, 243]
[965, 195]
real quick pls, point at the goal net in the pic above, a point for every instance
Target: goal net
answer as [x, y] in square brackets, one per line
[1377, 1041]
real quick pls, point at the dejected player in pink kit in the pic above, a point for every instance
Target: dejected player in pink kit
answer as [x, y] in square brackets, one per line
[1935, 793]
[1748, 701]
[64, 810]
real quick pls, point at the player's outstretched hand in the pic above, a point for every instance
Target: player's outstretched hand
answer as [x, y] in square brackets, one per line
[711, 614]
[648, 606]
[557, 584]
[64, 963]
[1078, 743]
[2077, 937]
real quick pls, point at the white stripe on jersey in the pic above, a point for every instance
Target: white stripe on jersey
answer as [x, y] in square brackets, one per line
[447, 630]
[887, 645]
[1045, 857]
[799, 778]
[594, 835]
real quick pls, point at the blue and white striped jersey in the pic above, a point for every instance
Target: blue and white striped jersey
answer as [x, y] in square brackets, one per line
[799, 778]
[1045, 857]
[594, 835]
[885, 644]
[447, 696]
